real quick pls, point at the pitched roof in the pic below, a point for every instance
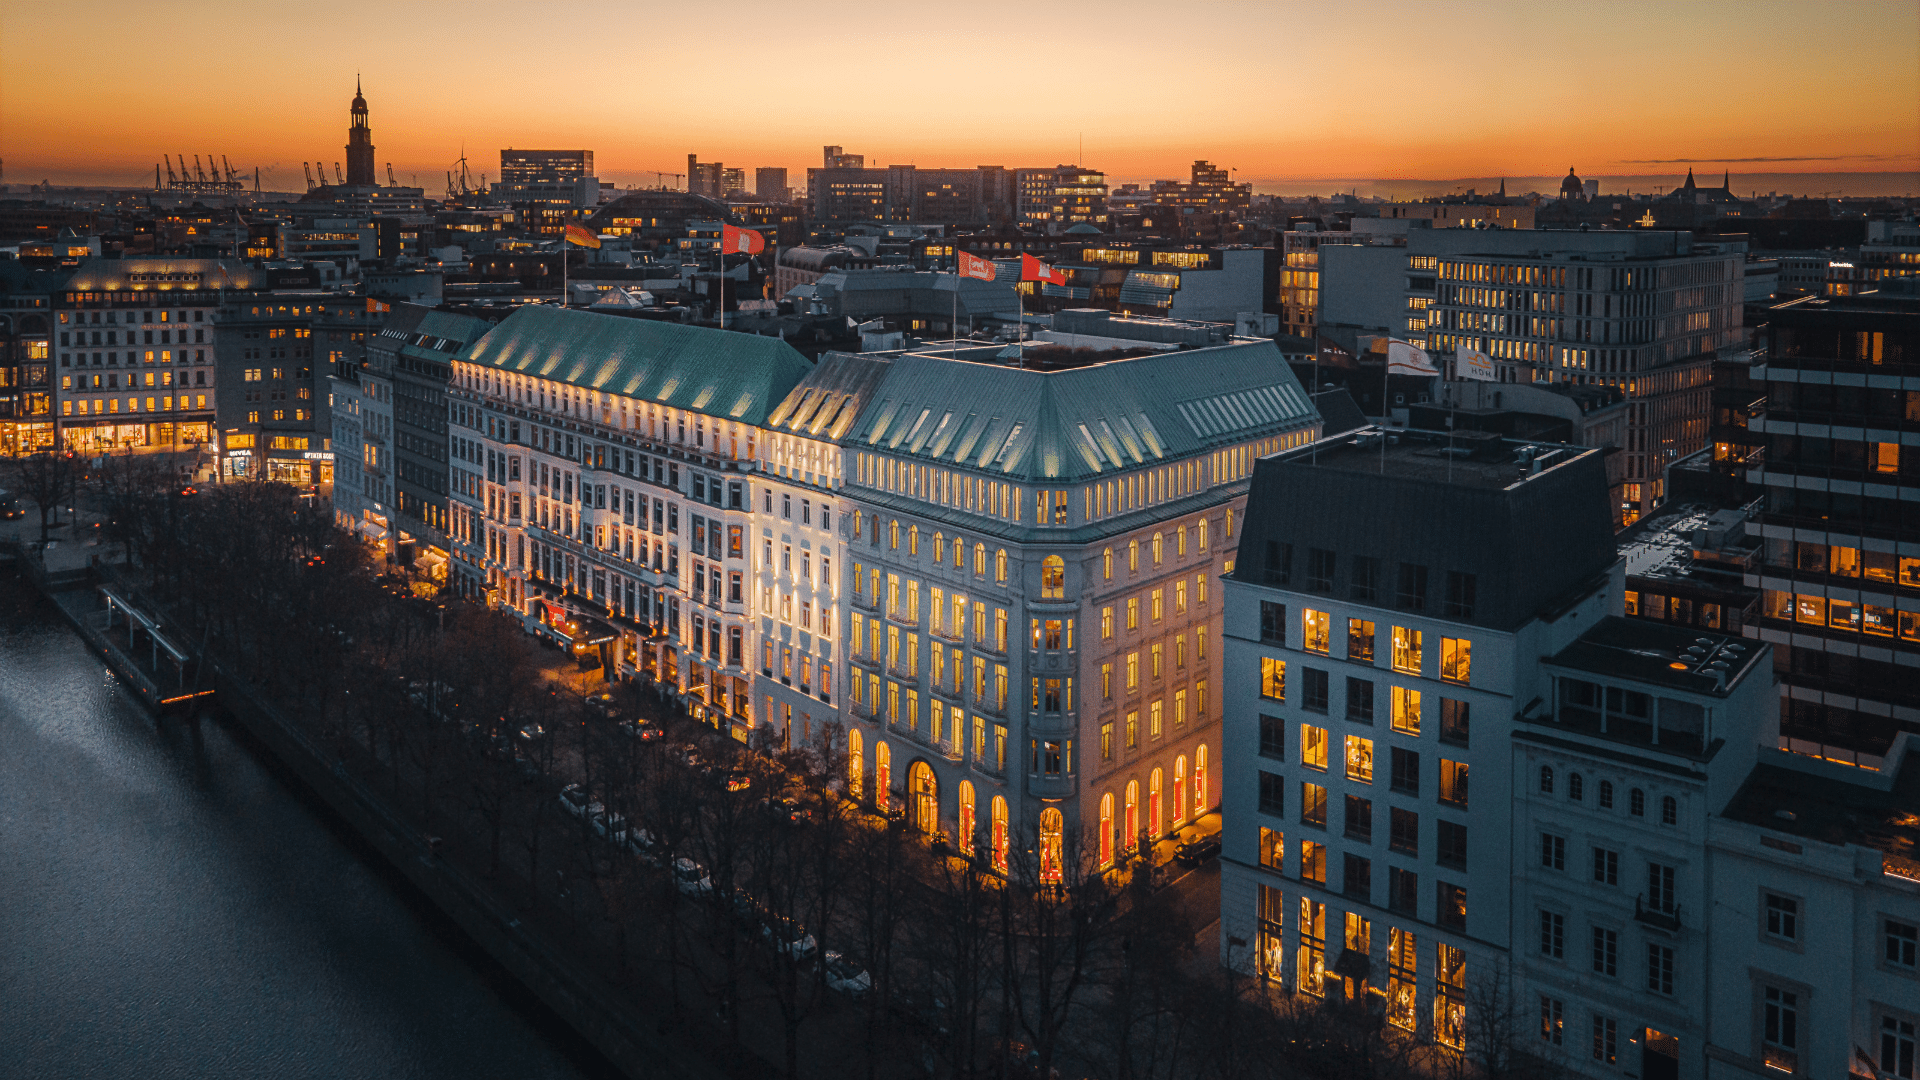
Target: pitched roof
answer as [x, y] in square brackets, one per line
[716, 372]
[1082, 422]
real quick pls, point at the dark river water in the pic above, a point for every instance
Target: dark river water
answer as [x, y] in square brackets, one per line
[170, 906]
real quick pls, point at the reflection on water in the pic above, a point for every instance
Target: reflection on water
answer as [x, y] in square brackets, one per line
[169, 907]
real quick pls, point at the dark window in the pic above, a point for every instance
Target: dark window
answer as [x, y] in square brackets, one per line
[1360, 700]
[1576, 787]
[1606, 794]
[1453, 721]
[1452, 845]
[1606, 951]
[1660, 969]
[1669, 810]
[1365, 578]
[1403, 890]
[1553, 934]
[1404, 835]
[1637, 803]
[1359, 818]
[1452, 906]
[1546, 779]
[1273, 737]
[1412, 594]
[1320, 567]
[1460, 590]
[1606, 867]
[1553, 851]
[1273, 623]
[1273, 793]
[1359, 877]
[1660, 893]
[1314, 698]
[1279, 563]
[1406, 771]
[1902, 939]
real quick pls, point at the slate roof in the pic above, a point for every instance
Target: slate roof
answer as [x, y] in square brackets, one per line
[1075, 424]
[716, 372]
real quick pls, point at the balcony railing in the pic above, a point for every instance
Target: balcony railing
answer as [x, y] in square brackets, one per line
[1656, 917]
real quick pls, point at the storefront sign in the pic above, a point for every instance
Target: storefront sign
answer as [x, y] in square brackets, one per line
[319, 455]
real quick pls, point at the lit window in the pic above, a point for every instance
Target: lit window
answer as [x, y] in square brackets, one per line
[1406, 650]
[1456, 656]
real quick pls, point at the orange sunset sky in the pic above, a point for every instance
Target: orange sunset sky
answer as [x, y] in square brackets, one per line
[1285, 93]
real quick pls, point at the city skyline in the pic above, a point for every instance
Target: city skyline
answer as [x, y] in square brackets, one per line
[1676, 105]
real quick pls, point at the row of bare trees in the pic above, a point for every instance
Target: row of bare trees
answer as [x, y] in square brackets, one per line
[710, 863]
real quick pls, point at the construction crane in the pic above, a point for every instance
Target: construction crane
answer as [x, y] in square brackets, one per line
[338, 176]
[232, 176]
[308, 169]
[391, 182]
[171, 179]
[199, 174]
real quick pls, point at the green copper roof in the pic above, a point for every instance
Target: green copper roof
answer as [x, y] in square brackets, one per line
[716, 372]
[1079, 423]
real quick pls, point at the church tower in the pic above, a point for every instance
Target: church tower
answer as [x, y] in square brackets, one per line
[360, 143]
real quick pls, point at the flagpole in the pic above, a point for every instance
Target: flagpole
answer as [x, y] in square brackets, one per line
[953, 328]
[1386, 372]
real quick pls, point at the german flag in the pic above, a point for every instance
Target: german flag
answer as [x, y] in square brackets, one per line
[578, 235]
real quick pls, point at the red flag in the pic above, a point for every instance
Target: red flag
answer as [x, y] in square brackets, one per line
[1032, 269]
[974, 266]
[375, 307]
[741, 241]
[578, 235]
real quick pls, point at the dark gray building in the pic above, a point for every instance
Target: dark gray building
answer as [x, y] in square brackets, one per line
[418, 359]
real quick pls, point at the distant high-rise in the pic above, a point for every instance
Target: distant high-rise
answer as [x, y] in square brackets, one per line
[705, 177]
[769, 184]
[548, 177]
[359, 143]
[835, 159]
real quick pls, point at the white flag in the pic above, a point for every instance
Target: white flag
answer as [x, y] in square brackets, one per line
[1404, 358]
[1473, 364]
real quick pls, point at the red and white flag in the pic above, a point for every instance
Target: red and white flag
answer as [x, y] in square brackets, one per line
[1032, 269]
[974, 266]
[737, 241]
[1407, 359]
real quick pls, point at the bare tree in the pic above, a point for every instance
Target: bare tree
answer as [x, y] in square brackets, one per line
[48, 477]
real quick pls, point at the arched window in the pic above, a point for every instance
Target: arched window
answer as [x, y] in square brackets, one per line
[1000, 833]
[939, 547]
[893, 535]
[858, 516]
[1052, 836]
[1106, 564]
[856, 766]
[959, 553]
[882, 774]
[965, 834]
[1546, 779]
[1106, 830]
[1200, 802]
[1132, 835]
[1053, 578]
[1180, 789]
[1000, 565]
[1637, 803]
[1156, 823]
[925, 801]
[913, 540]
[980, 559]
[1669, 810]
[1133, 556]
[1156, 548]
[1576, 787]
[1606, 794]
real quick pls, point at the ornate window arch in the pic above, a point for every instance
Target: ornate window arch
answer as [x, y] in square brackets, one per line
[1053, 578]
[1052, 844]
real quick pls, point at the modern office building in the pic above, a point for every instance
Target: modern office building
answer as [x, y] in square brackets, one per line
[275, 354]
[1647, 312]
[137, 346]
[770, 184]
[1840, 525]
[559, 179]
[1032, 564]
[27, 406]
[1456, 778]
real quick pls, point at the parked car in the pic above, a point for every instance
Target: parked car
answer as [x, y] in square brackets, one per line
[738, 781]
[531, 732]
[643, 730]
[576, 801]
[845, 977]
[783, 808]
[788, 937]
[1197, 848]
[610, 827]
[691, 878]
[644, 846]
